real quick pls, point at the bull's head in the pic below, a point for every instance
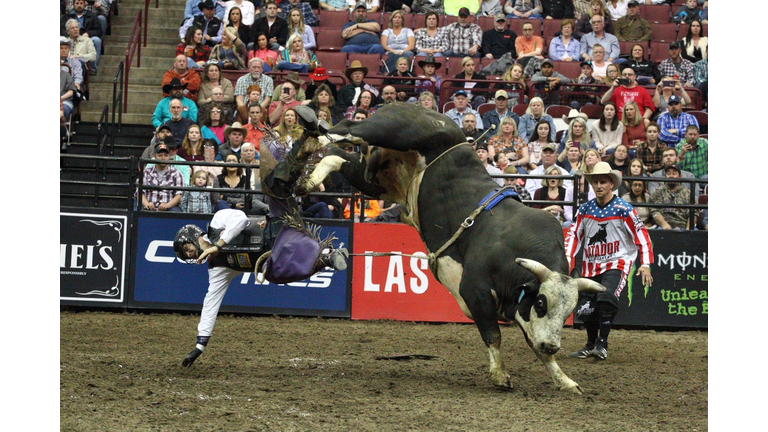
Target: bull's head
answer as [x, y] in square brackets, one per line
[541, 312]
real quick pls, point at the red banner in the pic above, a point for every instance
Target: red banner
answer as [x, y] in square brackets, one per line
[397, 287]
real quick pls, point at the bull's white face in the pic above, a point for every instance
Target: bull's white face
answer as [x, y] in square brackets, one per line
[542, 317]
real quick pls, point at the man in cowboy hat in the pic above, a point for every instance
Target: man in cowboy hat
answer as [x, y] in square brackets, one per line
[286, 99]
[234, 136]
[362, 34]
[208, 22]
[188, 77]
[162, 113]
[611, 233]
[349, 93]
[499, 40]
[319, 77]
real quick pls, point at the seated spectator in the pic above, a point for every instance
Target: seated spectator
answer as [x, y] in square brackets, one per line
[427, 100]
[514, 81]
[261, 50]
[192, 9]
[248, 156]
[246, 8]
[430, 40]
[671, 193]
[634, 127]
[211, 24]
[362, 34]
[255, 129]
[607, 132]
[88, 26]
[193, 48]
[539, 139]
[192, 145]
[100, 8]
[295, 57]
[622, 92]
[370, 5]
[548, 82]
[499, 40]
[370, 211]
[461, 107]
[183, 74]
[632, 27]
[646, 70]
[349, 93]
[212, 124]
[210, 80]
[397, 40]
[669, 158]
[572, 160]
[651, 150]
[687, 13]
[700, 77]
[508, 141]
[693, 153]
[359, 115]
[528, 45]
[468, 73]
[319, 77]
[638, 194]
[188, 110]
[231, 53]
[232, 178]
[482, 153]
[599, 65]
[524, 9]
[389, 94]
[474, 136]
[333, 5]
[635, 169]
[177, 123]
[676, 65]
[427, 6]
[533, 114]
[501, 161]
[580, 7]
[577, 132]
[565, 47]
[289, 128]
[674, 122]
[364, 102]
[160, 133]
[551, 190]
[517, 184]
[297, 26]
[235, 137]
[429, 78]
[611, 74]
[274, 27]
[601, 37]
[241, 29]
[307, 14]
[67, 91]
[502, 110]
[584, 194]
[586, 77]
[490, 8]
[548, 158]
[287, 98]
[463, 36]
[70, 63]
[82, 48]
[162, 174]
[402, 70]
[210, 155]
[557, 9]
[201, 202]
[255, 76]
[619, 159]
[323, 100]
[667, 87]
[584, 23]
[589, 160]
[694, 44]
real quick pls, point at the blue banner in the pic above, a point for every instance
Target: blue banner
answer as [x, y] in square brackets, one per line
[161, 279]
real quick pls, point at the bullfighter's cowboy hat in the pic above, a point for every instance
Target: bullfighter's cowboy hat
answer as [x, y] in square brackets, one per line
[605, 169]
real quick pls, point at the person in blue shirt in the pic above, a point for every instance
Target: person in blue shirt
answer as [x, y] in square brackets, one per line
[163, 109]
[362, 34]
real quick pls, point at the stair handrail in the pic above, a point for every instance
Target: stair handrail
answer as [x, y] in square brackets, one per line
[117, 102]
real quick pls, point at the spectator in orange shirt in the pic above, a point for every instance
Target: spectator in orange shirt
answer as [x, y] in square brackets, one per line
[186, 75]
[528, 45]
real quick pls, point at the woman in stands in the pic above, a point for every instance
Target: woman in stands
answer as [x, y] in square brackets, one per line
[213, 125]
[646, 70]
[611, 74]
[431, 39]
[572, 160]
[540, 137]
[514, 82]
[262, 51]
[364, 101]
[694, 44]
[507, 141]
[289, 128]
[666, 88]
[397, 40]
[608, 131]
[577, 132]
[232, 178]
[637, 194]
[242, 29]
[295, 57]
[231, 52]
[192, 146]
[210, 154]
[428, 100]
[584, 24]
[533, 115]
[634, 127]
[651, 150]
[211, 79]
[599, 65]
[246, 9]
[551, 190]
[468, 73]
[296, 26]
[323, 100]
[402, 69]
[565, 47]
[193, 47]
[589, 160]
[636, 169]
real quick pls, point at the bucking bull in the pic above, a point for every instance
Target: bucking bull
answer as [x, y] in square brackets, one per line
[420, 159]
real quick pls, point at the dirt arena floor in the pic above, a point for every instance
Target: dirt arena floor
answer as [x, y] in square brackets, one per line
[122, 372]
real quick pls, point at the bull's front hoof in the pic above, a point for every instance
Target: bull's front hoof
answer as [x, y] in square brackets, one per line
[501, 379]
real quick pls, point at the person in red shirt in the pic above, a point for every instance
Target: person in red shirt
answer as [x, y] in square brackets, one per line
[625, 89]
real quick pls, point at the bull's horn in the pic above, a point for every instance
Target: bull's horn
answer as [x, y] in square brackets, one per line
[584, 284]
[535, 267]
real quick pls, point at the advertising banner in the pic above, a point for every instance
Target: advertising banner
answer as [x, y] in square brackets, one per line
[679, 294]
[92, 263]
[164, 282]
[397, 287]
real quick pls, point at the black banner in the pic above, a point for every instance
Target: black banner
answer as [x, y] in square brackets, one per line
[92, 264]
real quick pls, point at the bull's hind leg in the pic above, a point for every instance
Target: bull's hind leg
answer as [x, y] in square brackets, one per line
[561, 379]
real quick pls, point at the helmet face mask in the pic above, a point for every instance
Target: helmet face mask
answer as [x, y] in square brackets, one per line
[186, 245]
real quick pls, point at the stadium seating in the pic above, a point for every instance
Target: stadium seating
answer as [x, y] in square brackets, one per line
[333, 20]
[329, 39]
[550, 27]
[484, 108]
[659, 51]
[571, 69]
[655, 13]
[448, 106]
[454, 65]
[558, 111]
[519, 109]
[333, 61]
[592, 111]
[485, 22]
[703, 118]
[663, 32]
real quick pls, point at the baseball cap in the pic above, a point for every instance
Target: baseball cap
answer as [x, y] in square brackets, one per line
[674, 167]
[161, 148]
[632, 3]
[463, 12]
[361, 4]
[163, 126]
[587, 63]
[548, 61]
[481, 146]
[674, 45]
[460, 93]
[549, 146]
[674, 99]
[500, 17]
[501, 94]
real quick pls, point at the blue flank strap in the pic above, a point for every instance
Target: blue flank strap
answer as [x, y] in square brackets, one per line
[506, 193]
